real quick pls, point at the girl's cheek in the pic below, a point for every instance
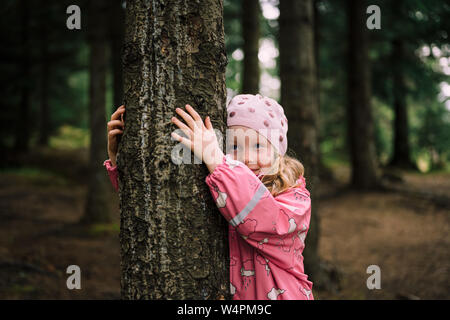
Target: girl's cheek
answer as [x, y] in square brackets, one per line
[264, 160]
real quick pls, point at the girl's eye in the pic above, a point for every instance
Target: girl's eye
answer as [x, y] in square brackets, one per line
[258, 145]
[235, 147]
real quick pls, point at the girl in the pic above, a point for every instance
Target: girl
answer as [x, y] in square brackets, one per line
[258, 189]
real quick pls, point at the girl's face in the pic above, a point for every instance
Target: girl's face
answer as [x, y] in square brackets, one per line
[251, 148]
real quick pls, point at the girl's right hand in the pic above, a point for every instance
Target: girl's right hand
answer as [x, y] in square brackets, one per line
[115, 128]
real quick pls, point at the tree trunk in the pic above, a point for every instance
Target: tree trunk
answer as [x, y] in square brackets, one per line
[360, 121]
[97, 203]
[45, 81]
[173, 238]
[323, 171]
[401, 153]
[250, 31]
[22, 137]
[117, 27]
[299, 99]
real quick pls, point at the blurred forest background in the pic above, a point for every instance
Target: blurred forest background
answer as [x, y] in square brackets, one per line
[45, 137]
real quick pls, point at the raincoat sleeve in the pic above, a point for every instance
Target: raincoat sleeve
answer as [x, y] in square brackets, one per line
[112, 173]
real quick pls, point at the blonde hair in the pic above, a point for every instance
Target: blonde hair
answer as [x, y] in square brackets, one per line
[283, 174]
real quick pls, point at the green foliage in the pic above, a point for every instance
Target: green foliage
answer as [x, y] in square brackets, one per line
[21, 289]
[233, 72]
[232, 25]
[102, 229]
[417, 23]
[332, 66]
[69, 137]
[36, 176]
[233, 41]
[431, 135]
[383, 118]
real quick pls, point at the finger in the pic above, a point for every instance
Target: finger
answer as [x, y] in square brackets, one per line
[183, 127]
[187, 118]
[115, 124]
[208, 123]
[188, 143]
[114, 133]
[117, 113]
[196, 116]
[194, 113]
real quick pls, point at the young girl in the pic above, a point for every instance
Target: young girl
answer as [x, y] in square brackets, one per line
[258, 189]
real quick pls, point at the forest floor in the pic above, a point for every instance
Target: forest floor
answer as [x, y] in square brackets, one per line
[405, 233]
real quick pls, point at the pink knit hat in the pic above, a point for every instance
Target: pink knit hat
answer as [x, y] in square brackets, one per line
[261, 114]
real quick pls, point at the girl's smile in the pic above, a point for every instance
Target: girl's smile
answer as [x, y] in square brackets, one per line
[251, 148]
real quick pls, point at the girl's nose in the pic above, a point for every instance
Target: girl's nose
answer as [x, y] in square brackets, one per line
[249, 157]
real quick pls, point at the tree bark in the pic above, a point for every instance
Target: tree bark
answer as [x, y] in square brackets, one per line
[360, 120]
[299, 99]
[173, 238]
[97, 202]
[251, 33]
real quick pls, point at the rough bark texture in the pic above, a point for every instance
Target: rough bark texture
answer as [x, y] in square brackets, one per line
[360, 120]
[97, 202]
[299, 99]
[250, 32]
[174, 242]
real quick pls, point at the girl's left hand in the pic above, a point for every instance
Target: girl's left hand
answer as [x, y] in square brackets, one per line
[201, 139]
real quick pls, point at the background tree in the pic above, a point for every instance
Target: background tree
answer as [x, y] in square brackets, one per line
[407, 27]
[22, 138]
[173, 239]
[401, 151]
[299, 99]
[251, 12]
[44, 127]
[360, 120]
[97, 203]
[117, 29]
[44, 190]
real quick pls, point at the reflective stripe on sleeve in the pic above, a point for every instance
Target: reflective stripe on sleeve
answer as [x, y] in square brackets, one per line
[249, 207]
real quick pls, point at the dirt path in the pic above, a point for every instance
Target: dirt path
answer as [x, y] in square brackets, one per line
[40, 238]
[406, 237]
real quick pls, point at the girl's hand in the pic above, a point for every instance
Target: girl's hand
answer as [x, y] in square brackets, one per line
[201, 139]
[115, 129]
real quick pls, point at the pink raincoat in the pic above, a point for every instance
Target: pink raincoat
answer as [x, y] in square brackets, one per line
[266, 233]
